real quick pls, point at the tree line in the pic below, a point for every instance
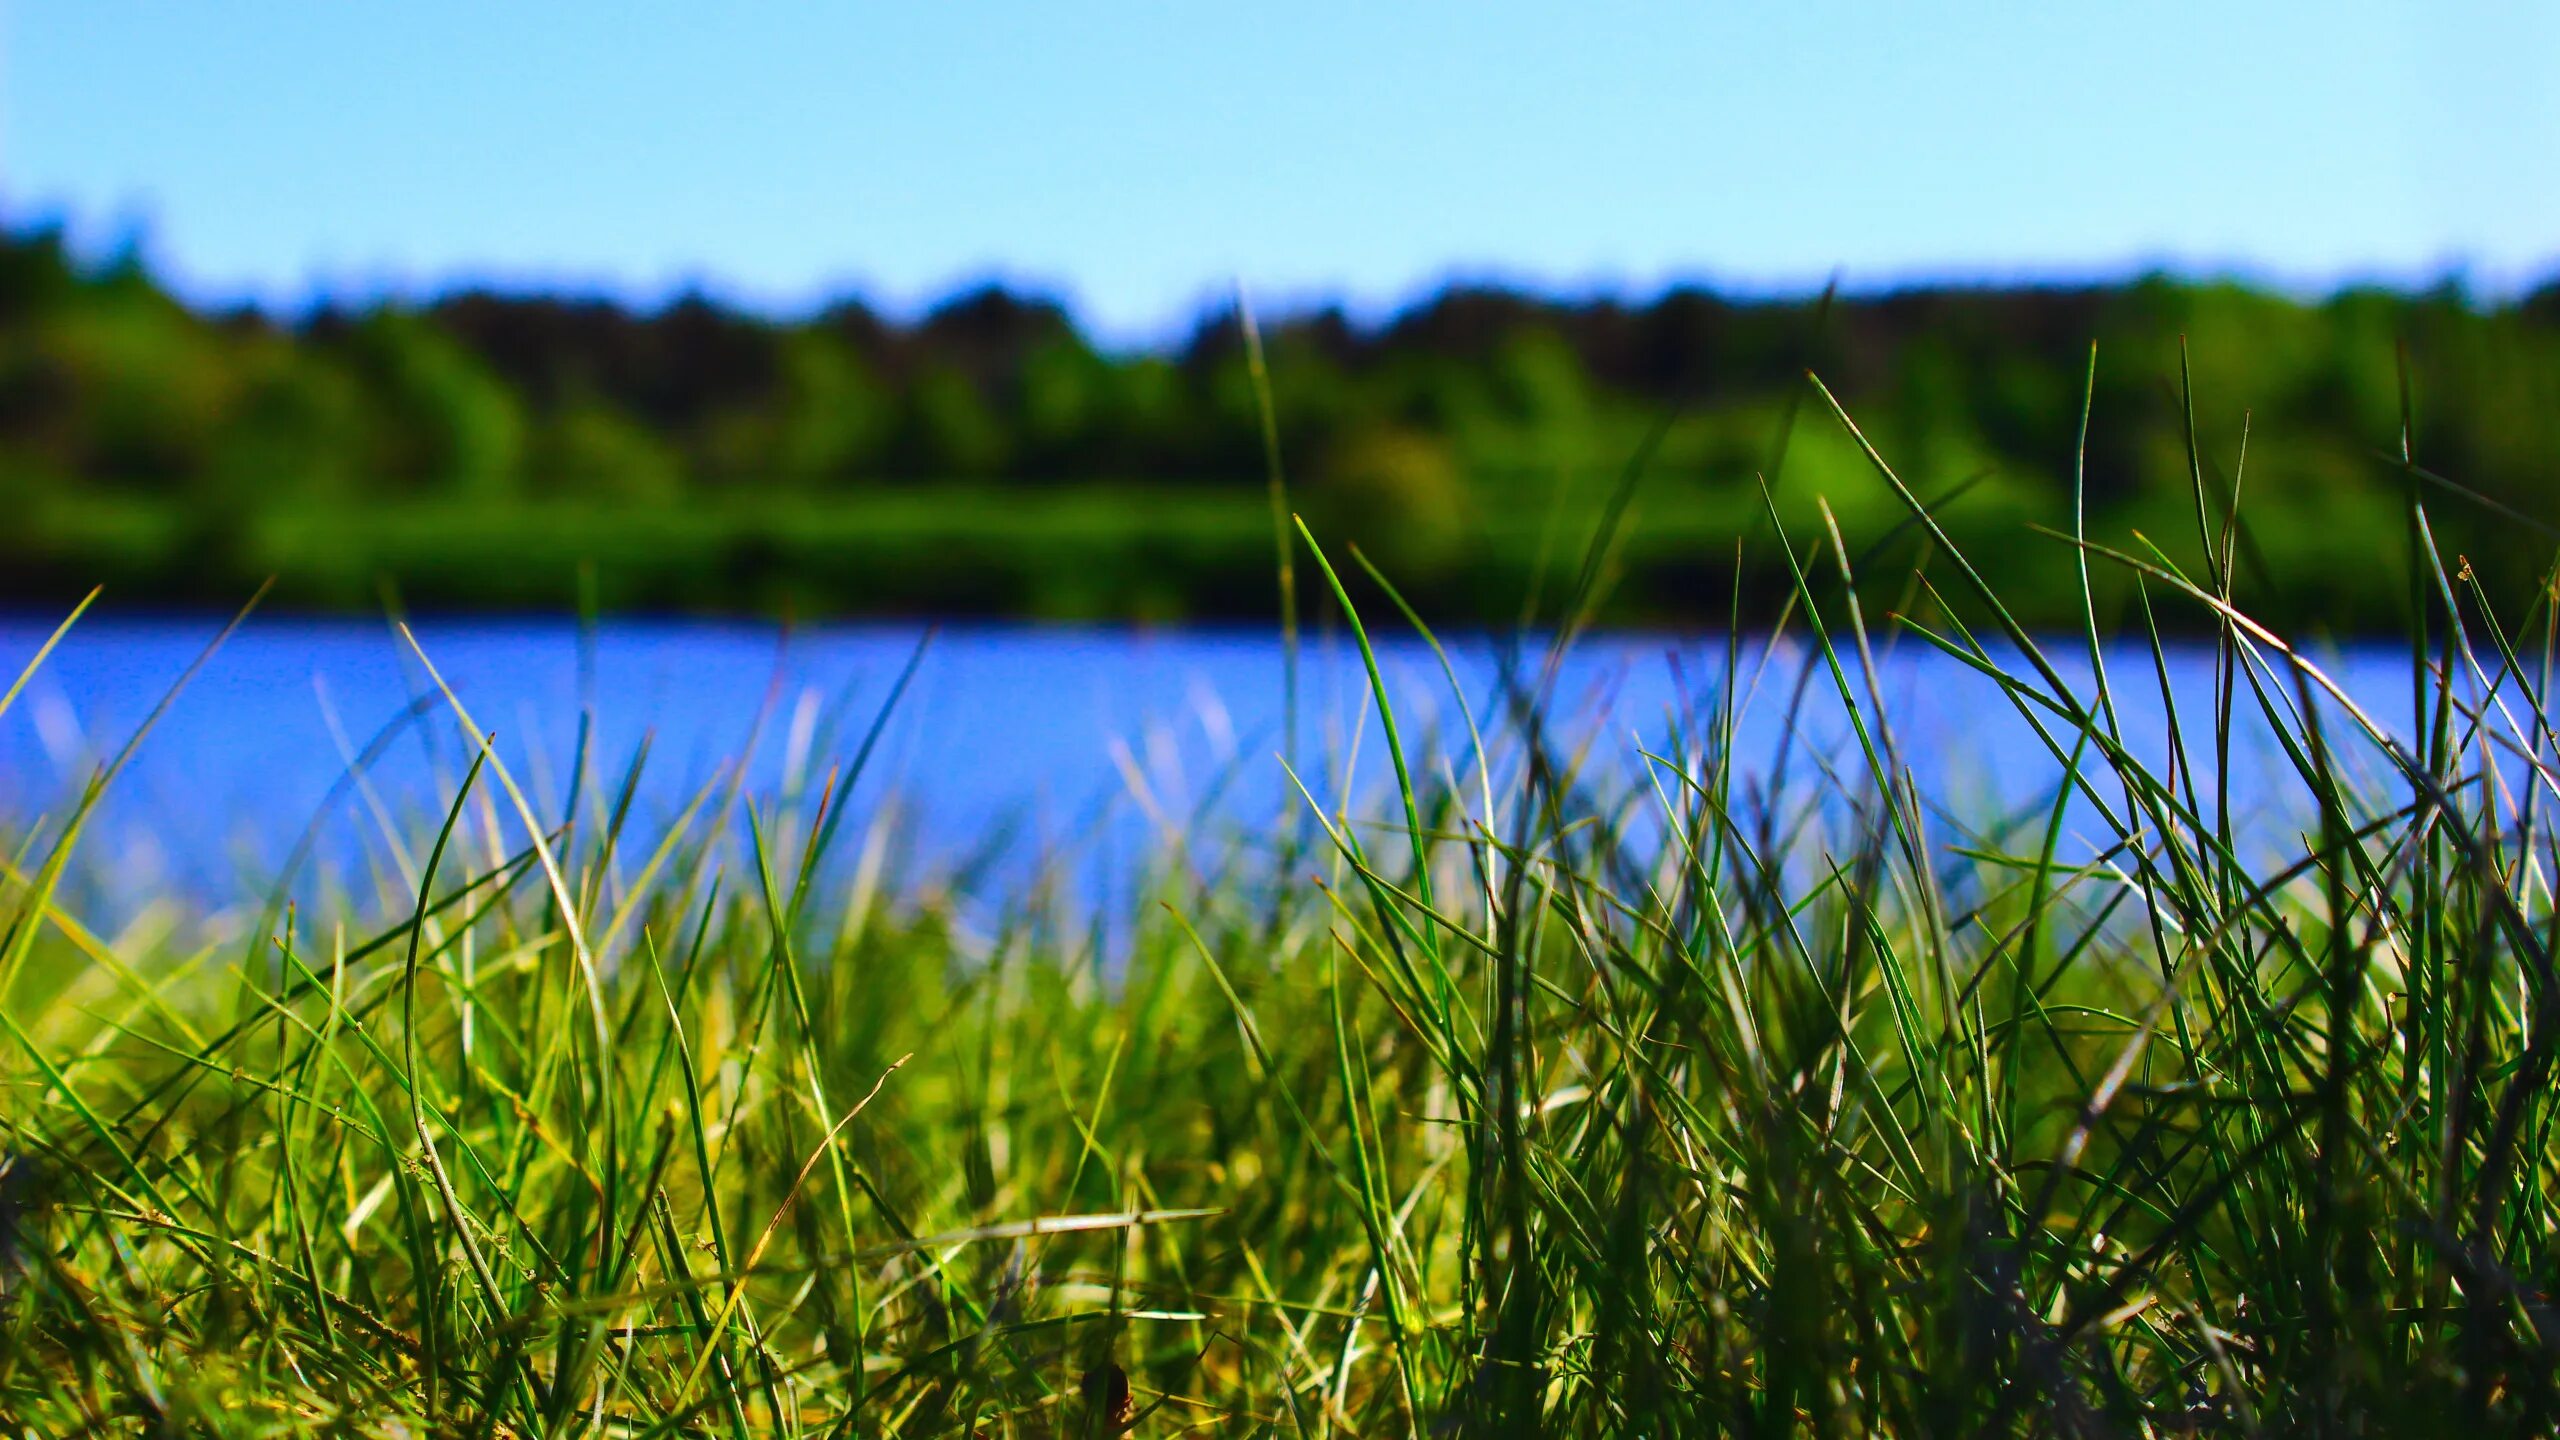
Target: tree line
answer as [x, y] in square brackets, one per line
[177, 450]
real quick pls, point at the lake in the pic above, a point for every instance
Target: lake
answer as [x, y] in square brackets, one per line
[1011, 741]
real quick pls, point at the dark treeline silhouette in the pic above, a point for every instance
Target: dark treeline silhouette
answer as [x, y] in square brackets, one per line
[987, 457]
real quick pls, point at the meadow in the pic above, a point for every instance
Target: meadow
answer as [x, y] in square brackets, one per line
[1492, 1097]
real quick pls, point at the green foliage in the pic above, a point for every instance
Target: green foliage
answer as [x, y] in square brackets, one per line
[447, 426]
[1472, 425]
[1396, 492]
[589, 451]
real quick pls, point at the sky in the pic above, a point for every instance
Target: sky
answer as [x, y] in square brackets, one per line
[1139, 160]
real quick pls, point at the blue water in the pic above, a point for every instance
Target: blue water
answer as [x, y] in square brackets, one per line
[1012, 742]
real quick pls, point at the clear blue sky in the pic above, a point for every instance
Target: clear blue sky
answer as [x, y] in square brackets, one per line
[1137, 158]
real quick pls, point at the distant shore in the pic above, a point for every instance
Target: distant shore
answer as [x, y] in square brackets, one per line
[987, 460]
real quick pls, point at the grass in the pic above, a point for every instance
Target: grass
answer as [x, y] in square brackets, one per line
[1740, 1098]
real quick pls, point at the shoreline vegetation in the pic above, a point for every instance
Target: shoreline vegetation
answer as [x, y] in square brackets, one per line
[491, 452]
[1478, 1099]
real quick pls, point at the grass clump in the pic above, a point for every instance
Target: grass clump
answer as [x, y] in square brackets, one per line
[1720, 1096]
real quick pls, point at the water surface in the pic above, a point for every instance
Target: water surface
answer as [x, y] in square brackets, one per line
[1010, 743]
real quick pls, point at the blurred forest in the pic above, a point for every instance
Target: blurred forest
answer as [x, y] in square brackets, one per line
[489, 450]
